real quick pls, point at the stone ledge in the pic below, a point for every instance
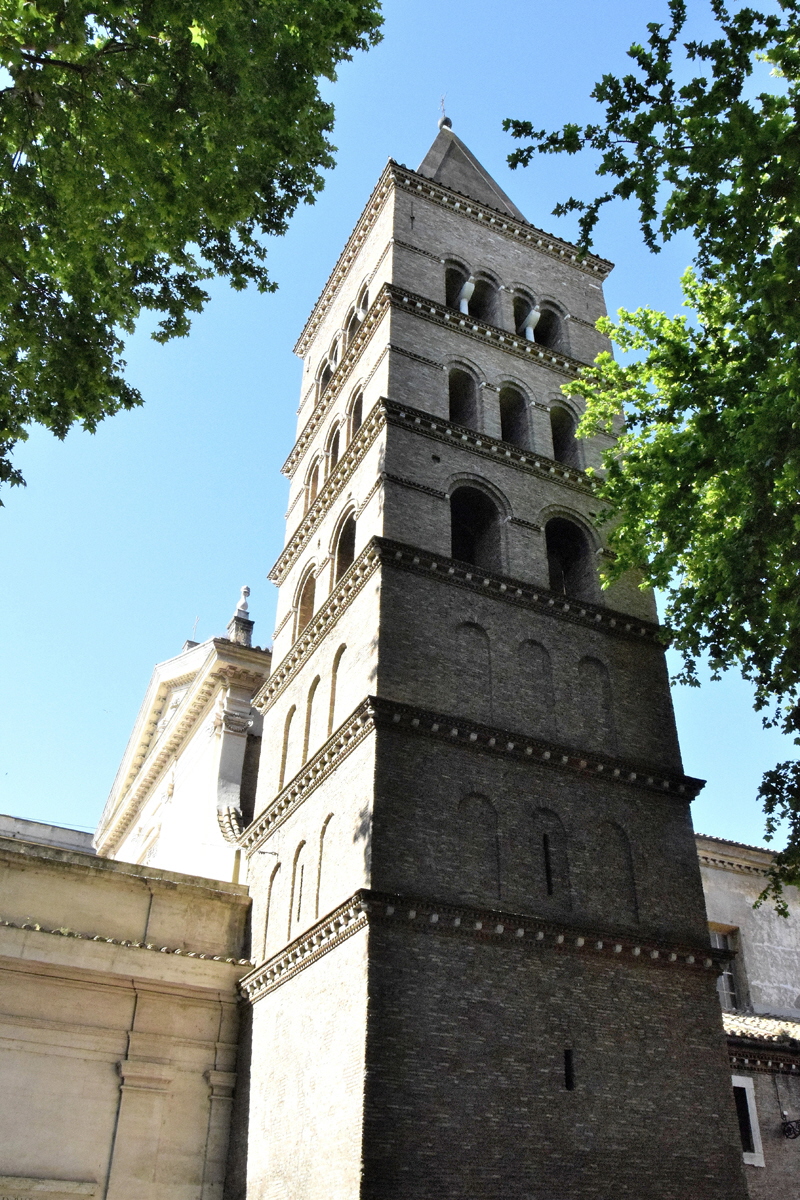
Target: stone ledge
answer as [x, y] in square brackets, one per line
[14, 1186]
[375, 712]
[64, 932]
[430, 917]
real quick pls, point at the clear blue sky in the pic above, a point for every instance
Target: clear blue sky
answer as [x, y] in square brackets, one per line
[123, 538]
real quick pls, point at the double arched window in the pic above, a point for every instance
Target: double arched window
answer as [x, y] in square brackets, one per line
[333, 450]
[312, 485]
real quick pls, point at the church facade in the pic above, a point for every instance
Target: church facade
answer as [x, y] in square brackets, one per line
[461, 948]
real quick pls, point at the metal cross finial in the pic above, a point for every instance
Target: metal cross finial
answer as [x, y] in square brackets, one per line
[444, 120]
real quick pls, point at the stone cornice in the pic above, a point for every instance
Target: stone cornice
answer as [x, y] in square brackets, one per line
[376, 712]
[515, 591]
[427, 916]
[132, 799]
[339, 745]
[733, 856]
[517, 231]
[482, 331]
[323, 620]
[752, 1056]
[377, 311]
[511, 743]
[372, 425]
[448, 571]
[440, 430]
[97, 937]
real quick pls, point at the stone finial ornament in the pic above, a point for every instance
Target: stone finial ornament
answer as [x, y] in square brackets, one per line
[240, 628]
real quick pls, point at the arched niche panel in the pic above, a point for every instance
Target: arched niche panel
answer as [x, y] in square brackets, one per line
[479, 846]
[595, 702]
[533, 694]
[549, 858]
[616, 897]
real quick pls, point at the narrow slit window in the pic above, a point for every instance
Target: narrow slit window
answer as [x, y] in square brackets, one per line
[548, 863]
[744, 1099]
[569, 1070]
[743, 1115]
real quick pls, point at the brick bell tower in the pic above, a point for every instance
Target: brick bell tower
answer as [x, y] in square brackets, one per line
[484, 967]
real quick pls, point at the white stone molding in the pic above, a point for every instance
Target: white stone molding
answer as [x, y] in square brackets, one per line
[440, 430]
[133, 797]
[323, 620]
[377, 311]
[482, 331]
[142, 1075]
[35, 926]
[350, 734]
[426, 916]
[21, 1187]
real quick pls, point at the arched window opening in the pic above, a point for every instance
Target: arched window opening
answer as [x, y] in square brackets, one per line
[513, 418]
[308, 741]
[345, 547]
[337, 664]
[299, 904]
[322, 835]
[463, 393]
[565, 445]
[549, 329]
[475, 528]
[324, 379]
[569, 560]
[458, 286]
[333, 452]
[526, 317]
[483, 302]
[287, 733]
[356, 415]
[363, 302]
[352, 327]
[305, 605]
[312, 487]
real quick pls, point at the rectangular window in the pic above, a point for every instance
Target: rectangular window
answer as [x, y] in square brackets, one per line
[726, 984]
[745, 1101]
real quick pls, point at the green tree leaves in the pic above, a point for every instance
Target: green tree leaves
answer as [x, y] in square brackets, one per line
[705, 476]
[145, 147]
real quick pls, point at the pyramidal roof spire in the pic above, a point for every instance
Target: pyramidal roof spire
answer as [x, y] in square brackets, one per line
[450, 163]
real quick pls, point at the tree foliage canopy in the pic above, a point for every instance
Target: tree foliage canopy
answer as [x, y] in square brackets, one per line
[147, 145]
[705, 477]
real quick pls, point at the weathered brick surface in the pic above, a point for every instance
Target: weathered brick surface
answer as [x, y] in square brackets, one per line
[465, 1077]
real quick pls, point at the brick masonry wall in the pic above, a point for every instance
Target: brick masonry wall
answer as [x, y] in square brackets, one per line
[433, 838]
[466, 653]
[466, 1090]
